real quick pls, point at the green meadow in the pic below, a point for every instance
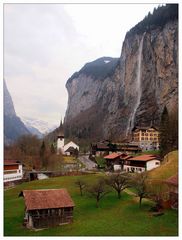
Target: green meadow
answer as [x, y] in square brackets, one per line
[114, 217]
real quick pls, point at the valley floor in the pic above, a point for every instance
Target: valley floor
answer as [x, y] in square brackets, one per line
[114, 217]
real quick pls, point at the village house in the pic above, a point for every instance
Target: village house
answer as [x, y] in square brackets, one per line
[13, 171]
[70, 148]
[47, 207]
[100, 148]
[106, 147]
[115, 161]
[147, 138]
[129, 148]
[141, 163]
[172, 184]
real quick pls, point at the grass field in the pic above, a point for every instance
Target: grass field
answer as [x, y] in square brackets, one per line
[114, 217]
[168, 168]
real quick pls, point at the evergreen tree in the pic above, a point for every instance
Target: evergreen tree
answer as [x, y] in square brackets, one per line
[43, 154]
[163, 130]
[53, 151]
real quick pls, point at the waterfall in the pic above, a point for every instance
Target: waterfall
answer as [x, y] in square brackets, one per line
[138, 87]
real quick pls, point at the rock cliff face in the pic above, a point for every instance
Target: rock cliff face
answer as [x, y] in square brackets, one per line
[133, 91]
[13, 126]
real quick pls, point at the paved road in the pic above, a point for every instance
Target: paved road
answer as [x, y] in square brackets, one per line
[90, 165]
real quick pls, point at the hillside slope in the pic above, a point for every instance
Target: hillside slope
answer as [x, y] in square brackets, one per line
[168, 168]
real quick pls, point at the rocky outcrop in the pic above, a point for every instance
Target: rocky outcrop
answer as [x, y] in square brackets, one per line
[13, 126]
[133, 92]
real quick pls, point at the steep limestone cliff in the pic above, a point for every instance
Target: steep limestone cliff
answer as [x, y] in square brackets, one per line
[133, 91]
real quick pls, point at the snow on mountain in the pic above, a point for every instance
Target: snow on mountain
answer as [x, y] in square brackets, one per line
[42, 126]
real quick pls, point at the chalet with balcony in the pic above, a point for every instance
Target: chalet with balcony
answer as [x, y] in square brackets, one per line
[102, 148]
[115, 161]
[13, 171]
[141, 163]
[47, 208]
[146, 137]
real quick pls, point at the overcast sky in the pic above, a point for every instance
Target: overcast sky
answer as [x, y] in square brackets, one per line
[44, 44]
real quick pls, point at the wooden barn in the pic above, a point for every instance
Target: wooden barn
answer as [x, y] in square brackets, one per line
[47, 207]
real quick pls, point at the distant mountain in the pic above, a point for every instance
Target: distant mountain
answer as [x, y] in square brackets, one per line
[33, 130]
[39, 127]
[13, 126]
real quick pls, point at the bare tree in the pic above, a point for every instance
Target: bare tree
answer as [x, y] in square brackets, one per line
[81, 184]
[98, 190]
[118, 182]
[138, 181]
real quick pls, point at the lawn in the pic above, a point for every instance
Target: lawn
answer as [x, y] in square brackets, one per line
[114, 217]
[69, 159]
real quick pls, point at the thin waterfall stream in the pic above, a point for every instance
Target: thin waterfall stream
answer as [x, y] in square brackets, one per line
[138, 87]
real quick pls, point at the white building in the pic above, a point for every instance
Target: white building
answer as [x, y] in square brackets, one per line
[61, 148]
[13, 171]
[141, 163]
[60, 140]
[70, 145]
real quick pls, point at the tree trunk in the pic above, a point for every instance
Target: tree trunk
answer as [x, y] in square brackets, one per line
[119, 194]
[81, 193]
[97, 202]
[140, 202]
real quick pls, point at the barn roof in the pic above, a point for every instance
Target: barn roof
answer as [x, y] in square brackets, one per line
[70, 149]
[47, 198]
[113, 155]
[143, 158]
[144, 128]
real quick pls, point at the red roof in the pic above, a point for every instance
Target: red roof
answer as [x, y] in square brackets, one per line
[47, 198]
[11, 162]
[126, 157]
[113, 155]
[172, 180]
[144, 158]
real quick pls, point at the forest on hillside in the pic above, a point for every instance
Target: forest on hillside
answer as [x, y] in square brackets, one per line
[158, 18]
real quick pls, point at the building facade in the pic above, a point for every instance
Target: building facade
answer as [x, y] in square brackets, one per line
[47, 208]
[13, 171]
[141, 163]
[70, 145]
[146, 137]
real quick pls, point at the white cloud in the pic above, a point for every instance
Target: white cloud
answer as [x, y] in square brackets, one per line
[44, 44]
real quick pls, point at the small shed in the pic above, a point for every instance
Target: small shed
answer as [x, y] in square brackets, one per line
[47, 207]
